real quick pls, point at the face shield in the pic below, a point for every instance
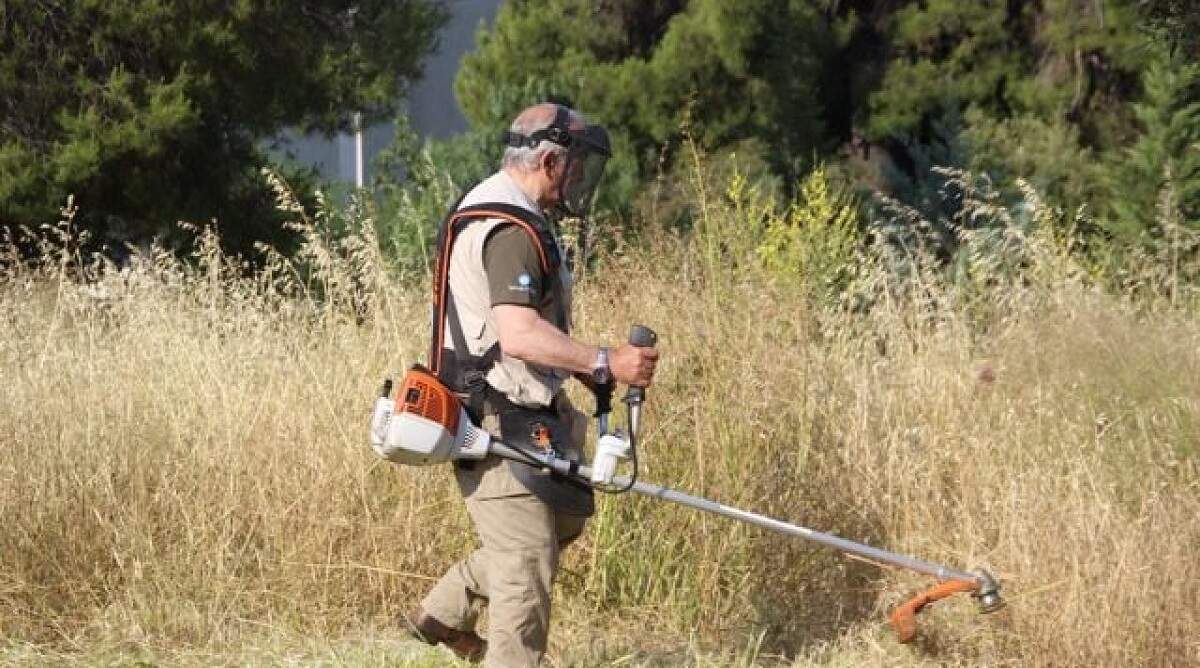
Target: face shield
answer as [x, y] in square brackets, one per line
[586, 159]
[588, 150]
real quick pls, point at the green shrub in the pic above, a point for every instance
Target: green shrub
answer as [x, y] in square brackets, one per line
[816, 238]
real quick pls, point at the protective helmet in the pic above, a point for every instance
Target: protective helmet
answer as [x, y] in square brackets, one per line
[588, 151]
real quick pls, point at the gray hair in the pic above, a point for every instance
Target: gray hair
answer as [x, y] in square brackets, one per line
[527, 159]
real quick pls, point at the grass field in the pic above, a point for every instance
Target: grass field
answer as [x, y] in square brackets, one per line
[184, 477]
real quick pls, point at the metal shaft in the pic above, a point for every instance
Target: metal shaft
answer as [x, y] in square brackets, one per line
[778, 526]
[656, 491]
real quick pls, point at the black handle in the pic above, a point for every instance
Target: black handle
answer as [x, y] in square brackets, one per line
[603, 394]
[640, 337]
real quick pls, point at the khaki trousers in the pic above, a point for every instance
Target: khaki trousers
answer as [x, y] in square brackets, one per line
[512, 573]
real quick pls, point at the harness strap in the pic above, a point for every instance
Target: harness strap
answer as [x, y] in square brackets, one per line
[468, 372]
[445, 314]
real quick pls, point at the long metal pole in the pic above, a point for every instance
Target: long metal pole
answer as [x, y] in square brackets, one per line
[656, 491]
[360, 167]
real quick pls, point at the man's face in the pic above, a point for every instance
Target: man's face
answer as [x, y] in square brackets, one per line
[564, 176]
[562, 170]
[569, 179]
[567, 172]
[554, 171]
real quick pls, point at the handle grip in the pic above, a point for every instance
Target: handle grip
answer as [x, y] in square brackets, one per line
[640, 336]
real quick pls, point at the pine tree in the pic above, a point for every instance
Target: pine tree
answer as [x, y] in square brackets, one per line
[1164, 159]
[1177, 21]
[151, 112]
[1050, 59]
[730, 71]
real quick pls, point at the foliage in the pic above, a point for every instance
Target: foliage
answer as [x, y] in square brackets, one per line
[417, 182]
[1047, 153]
[668, 202]
[983, 235]
[1178, 20]
[1039, 94]
[1165, 156]
[1153, 214]
[151, 112]
[646, 69]
[816, 238]
[1024, 89]
[945, 52]
[917, 181]
[1014, 90]
[1056, 58]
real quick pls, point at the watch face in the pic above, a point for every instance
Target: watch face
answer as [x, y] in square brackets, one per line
[601, 375]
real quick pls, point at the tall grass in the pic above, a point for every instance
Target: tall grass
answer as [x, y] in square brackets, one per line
[184, 475]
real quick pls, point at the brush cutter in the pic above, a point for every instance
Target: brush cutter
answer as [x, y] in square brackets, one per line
[426, 424]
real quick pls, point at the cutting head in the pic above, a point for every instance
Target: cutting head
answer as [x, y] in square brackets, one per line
[983, 588]
[987, 593]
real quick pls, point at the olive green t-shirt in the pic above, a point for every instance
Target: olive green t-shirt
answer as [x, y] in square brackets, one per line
[515, 274]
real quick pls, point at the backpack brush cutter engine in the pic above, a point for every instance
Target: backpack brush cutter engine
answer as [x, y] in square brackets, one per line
[426, 424]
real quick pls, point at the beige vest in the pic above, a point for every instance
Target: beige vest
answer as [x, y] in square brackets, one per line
[525, 384]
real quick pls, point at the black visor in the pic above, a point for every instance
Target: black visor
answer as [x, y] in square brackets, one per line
[585, 168]
[588, 151]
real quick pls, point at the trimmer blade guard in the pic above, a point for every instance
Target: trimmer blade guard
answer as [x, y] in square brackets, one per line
[985, 590]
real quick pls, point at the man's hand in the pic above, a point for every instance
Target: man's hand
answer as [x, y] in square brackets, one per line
[526, 336]
[633, 365]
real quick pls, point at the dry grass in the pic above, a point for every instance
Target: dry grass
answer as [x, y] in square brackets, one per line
[184, 477]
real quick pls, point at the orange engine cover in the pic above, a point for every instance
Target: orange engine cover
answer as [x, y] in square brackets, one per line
[421, 393]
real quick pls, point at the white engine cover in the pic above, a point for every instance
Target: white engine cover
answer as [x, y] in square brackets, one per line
[416, 441]
[412, 440]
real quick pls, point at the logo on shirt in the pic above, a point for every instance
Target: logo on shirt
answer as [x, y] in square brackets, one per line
[524, 284]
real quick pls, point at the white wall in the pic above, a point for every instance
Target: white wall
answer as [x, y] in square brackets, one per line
[432, 108]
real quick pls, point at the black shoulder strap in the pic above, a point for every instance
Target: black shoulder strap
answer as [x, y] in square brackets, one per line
[443, 302]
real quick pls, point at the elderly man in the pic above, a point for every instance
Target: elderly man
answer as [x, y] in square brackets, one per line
[508, 353]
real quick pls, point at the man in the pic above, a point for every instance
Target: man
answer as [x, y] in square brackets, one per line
[508, 354]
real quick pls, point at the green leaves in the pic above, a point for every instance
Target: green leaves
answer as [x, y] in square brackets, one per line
[1052, 59]
[1161, 169]
[815, 240]
[728, 71]
[151, 111]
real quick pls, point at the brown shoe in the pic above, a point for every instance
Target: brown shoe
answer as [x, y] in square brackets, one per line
[465, 644]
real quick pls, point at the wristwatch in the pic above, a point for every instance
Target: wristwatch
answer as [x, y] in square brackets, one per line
[601, 374]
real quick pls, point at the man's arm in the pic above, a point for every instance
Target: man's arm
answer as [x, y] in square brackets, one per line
[516, 282]
[526, 336]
